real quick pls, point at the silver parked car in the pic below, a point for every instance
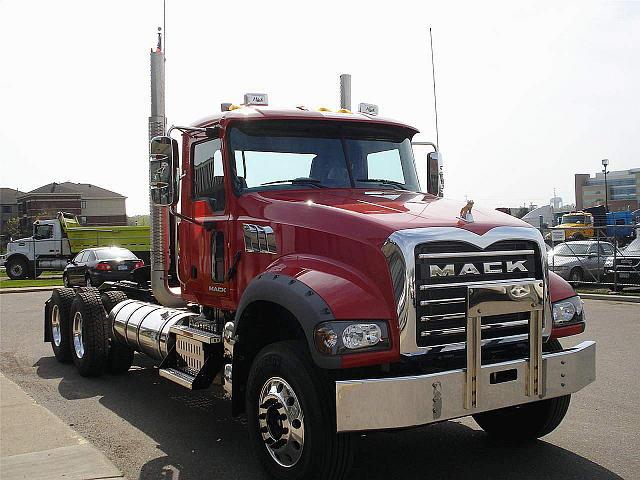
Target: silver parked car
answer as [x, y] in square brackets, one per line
[580, 261]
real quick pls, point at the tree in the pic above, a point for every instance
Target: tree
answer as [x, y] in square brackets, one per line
[13, 228]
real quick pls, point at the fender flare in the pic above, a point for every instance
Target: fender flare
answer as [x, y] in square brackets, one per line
[16, 255]
[303, 302]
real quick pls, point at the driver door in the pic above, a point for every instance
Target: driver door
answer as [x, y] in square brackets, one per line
[204, 261]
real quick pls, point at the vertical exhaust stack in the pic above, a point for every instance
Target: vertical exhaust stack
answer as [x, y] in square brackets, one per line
[345, 91]
[165, 295]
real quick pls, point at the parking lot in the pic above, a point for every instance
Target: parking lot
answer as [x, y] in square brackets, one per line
[153, 429]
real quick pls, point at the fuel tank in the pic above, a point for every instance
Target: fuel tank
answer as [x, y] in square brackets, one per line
[144, 326]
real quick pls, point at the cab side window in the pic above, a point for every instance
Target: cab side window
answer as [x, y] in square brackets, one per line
[208, 173]
[43, 232]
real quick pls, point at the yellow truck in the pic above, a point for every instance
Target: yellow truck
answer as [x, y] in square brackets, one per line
[576, 226]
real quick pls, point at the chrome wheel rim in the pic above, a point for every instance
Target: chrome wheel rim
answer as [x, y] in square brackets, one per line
[55, 325]
[87, 281]
[65, 280]
[78, 344]
[281, 422]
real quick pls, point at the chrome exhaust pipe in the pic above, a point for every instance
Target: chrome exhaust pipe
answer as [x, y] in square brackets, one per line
[164, 294]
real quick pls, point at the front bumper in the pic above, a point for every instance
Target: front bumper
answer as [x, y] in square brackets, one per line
[375, 404]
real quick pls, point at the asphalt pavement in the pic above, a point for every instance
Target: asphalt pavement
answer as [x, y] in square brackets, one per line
[153, 429]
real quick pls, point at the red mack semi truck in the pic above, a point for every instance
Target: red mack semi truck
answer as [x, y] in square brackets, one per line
[296, 258]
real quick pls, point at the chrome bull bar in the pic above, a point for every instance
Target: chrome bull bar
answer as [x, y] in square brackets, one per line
[512, 298]
[381, 403]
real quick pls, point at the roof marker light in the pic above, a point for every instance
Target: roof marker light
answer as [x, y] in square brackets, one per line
[260, 99]
[344, 110]
[368, 108]
[233, 107]
[324, 109]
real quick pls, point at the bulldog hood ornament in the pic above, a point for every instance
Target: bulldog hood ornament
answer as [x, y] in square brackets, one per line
[465, 212]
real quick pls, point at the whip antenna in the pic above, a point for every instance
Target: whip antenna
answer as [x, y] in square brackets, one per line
[435, 100]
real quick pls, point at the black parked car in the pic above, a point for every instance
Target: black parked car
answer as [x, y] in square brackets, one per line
[93, 266]
[627, 266]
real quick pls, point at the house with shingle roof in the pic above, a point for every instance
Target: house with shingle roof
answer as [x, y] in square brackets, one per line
[92, 204]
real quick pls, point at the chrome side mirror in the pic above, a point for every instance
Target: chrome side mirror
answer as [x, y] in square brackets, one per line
[435, 177]
[163, 157]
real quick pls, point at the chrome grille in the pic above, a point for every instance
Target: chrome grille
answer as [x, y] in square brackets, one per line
[441, 300]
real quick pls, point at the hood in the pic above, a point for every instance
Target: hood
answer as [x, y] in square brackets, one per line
[370, 213]
[14, 243]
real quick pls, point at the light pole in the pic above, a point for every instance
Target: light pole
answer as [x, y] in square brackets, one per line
[605, 164]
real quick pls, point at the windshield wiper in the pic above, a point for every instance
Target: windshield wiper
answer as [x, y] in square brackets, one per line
[299, 181]
[383, 181]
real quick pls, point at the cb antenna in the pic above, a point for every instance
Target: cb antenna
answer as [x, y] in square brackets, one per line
[435, 100]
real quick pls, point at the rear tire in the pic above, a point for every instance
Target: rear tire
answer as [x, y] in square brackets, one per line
[61, 300]
[529, 421]
[301, 425]
[89, 334]
[17, 269]
[120, 356]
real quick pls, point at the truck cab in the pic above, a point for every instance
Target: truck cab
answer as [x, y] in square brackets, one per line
[46, 244]
[577, 225]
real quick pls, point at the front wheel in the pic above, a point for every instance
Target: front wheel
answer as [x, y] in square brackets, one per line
[529, 421]
[17, 269]
[291, 416]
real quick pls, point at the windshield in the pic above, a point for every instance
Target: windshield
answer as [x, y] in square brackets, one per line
[271, 155]
[573, 219]
[565, 249]
[115, 253]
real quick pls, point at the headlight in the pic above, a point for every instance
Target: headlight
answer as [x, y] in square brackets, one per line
[568, 311]
[340, 337]
[608, 262]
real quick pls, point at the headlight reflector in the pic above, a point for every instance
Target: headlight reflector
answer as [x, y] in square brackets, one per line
[361, 335]
[341, 337]
[568, 311]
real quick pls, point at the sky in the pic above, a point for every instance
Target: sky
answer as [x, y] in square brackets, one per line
[529, 93]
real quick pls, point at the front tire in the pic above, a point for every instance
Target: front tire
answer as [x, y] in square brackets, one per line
[291, 416]
[529, 421]
[89, 333]
[17, 269]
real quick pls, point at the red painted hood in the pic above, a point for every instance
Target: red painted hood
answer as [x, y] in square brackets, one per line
[373, 213]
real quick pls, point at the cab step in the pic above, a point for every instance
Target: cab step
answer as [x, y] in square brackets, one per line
[195, 358]
[178, 376]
